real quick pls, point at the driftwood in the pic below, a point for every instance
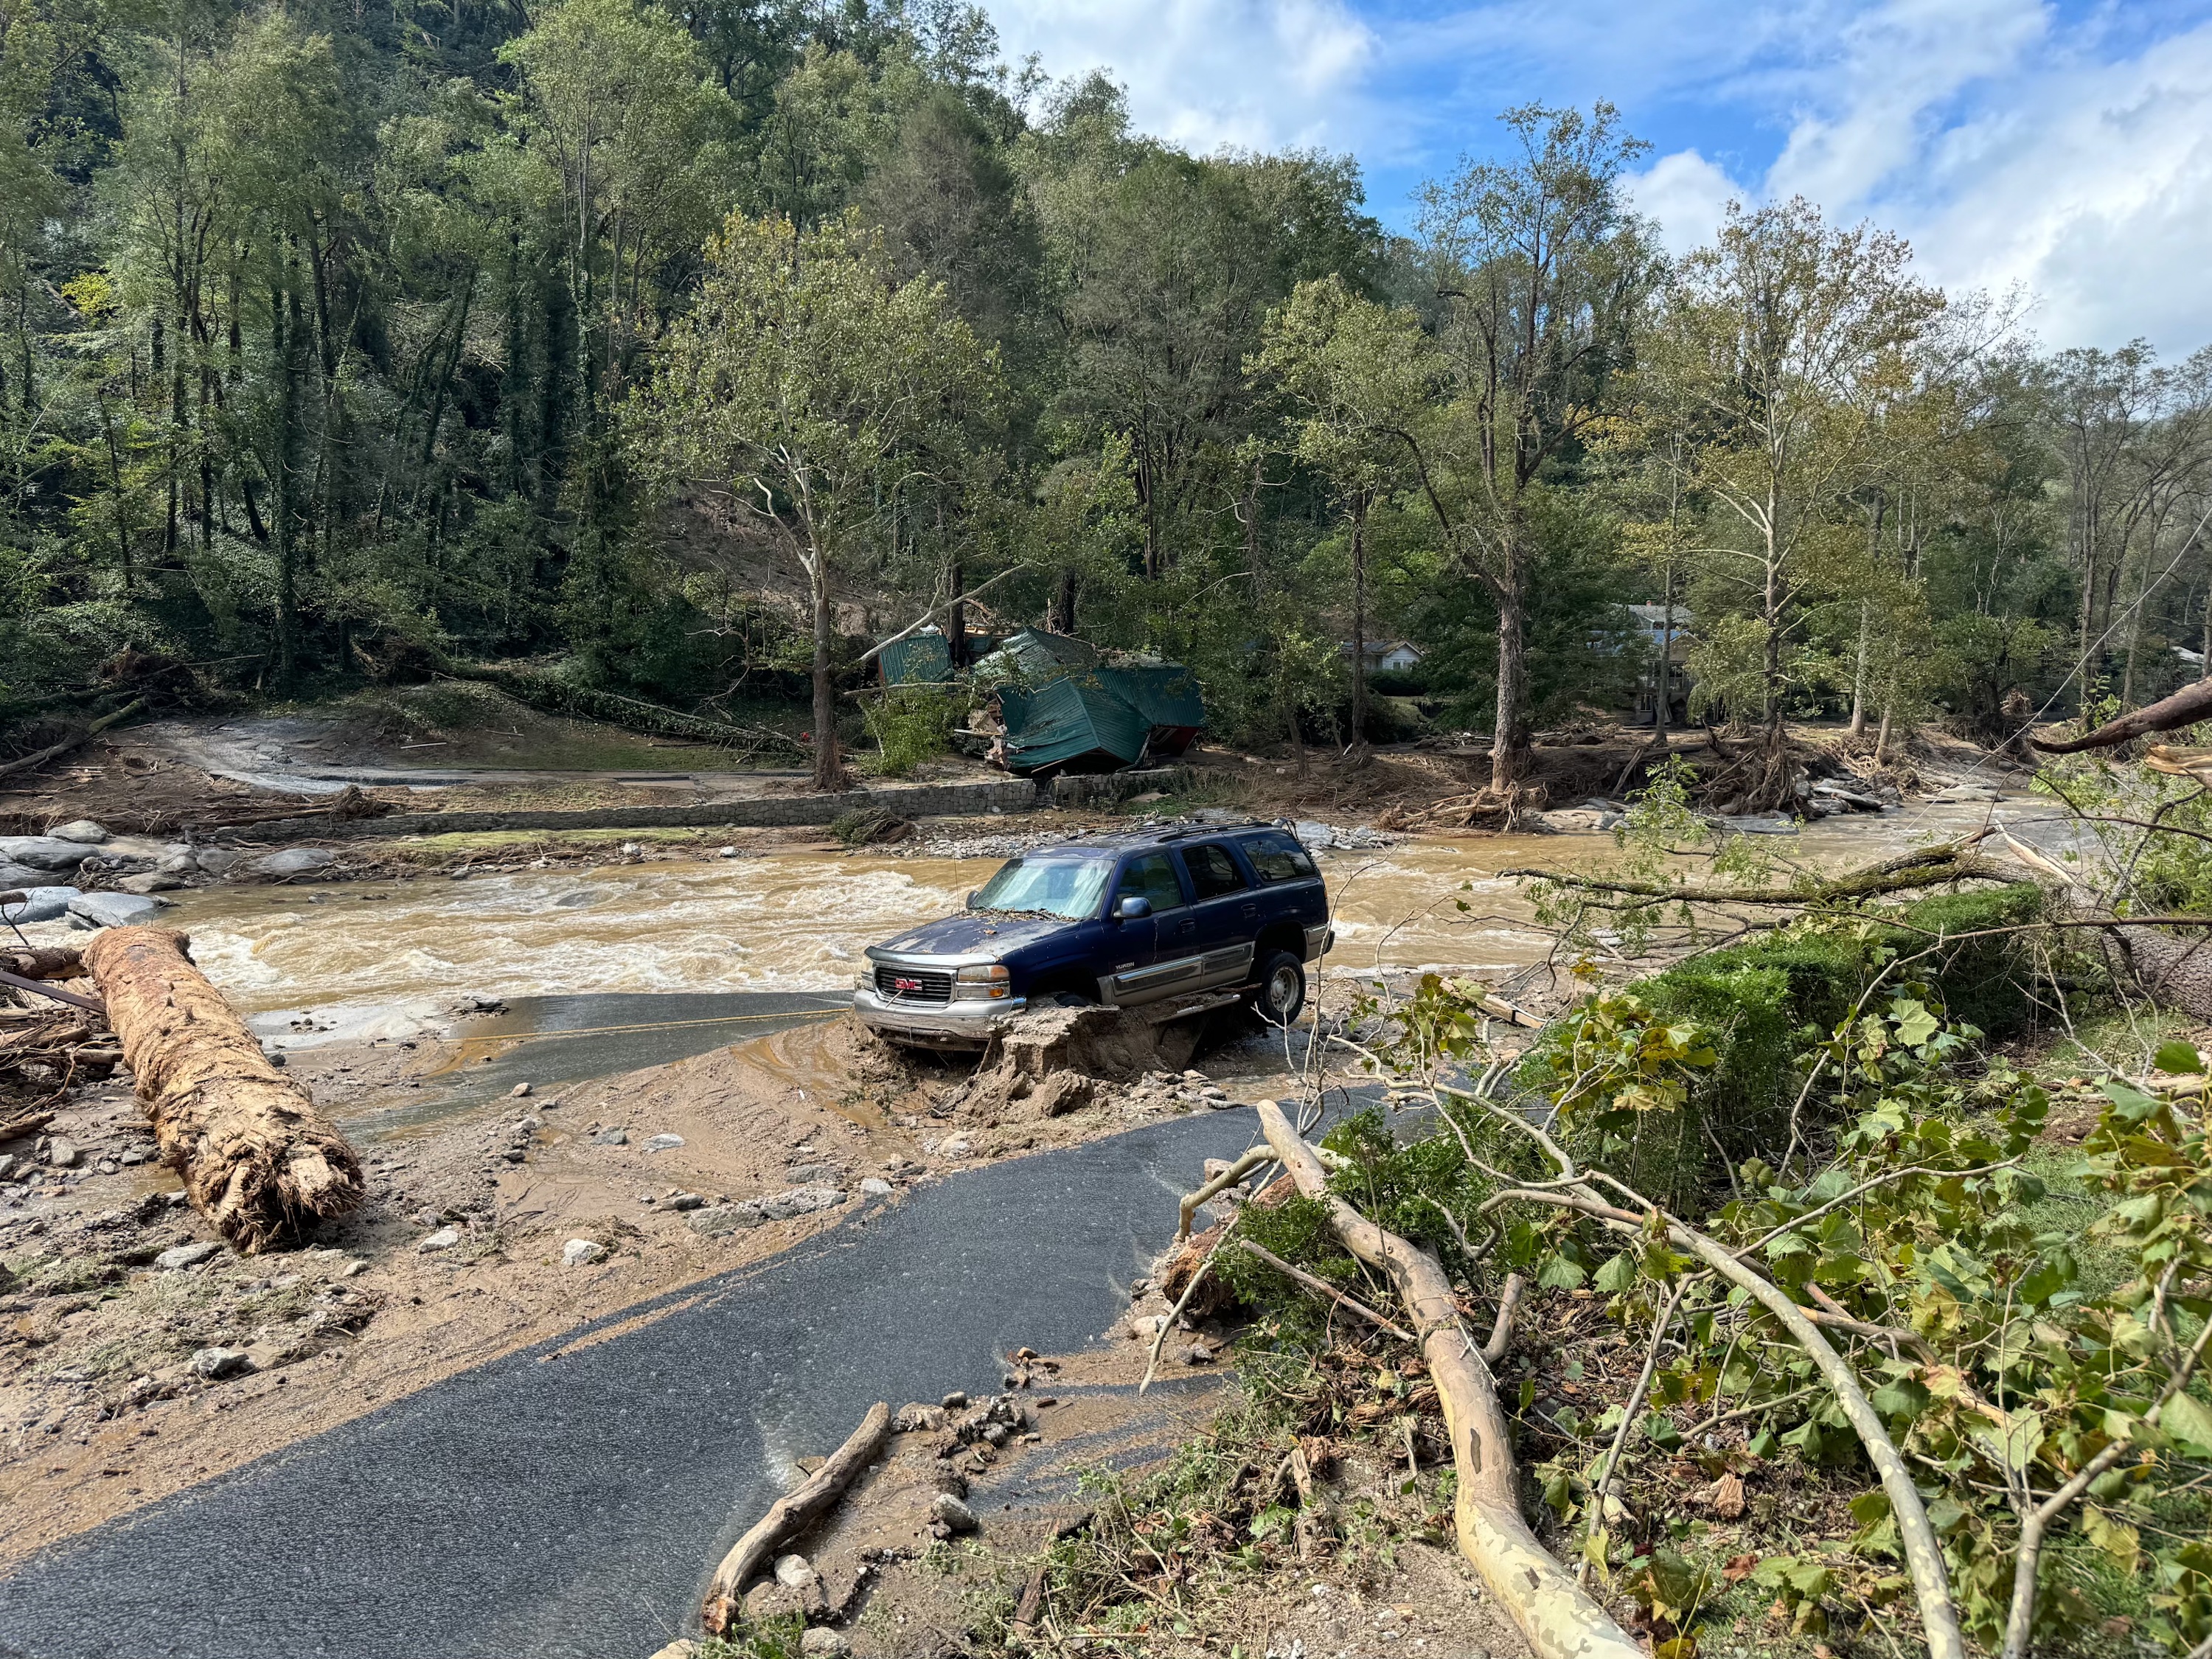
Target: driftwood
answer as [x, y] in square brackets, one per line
[31, 762]
[257, 1159]
[790, 1514]
[44, 962]
[2186, 707]
[39, 988]
[1556, 1615]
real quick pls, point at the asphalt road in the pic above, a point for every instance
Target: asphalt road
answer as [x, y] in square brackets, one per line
[574, 1506]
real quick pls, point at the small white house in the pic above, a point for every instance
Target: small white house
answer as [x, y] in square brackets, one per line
[1387, 656]
[1652, 621]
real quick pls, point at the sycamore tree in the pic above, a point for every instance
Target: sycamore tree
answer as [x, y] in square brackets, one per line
[804, 389]
[1546, 276]
[1358, 377]
[1778, 353]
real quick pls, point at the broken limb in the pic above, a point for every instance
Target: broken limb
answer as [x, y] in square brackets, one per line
[1167, 1324]
[792, 1513]
[2186, 707]
[38, 988]
[1555, 1614]
[1322, 1287]
[1501, 1332]
[1929, 867]
[1257, 1158]
[924, 619]
[31, 762]
[257, 1159]
[2020, 1619]
[1601, 1530]
[1923, 1556]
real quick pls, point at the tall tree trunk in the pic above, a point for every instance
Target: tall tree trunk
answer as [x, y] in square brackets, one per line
[1060, 618]
[1509, 741]
[1859, 679]
[829, 764]
[1663, 678]
[1359, 621]
[283, 343]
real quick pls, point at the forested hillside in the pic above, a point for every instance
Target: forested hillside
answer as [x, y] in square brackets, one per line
[341, 337]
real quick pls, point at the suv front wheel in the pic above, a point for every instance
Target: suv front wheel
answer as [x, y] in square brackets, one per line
[1281, 992]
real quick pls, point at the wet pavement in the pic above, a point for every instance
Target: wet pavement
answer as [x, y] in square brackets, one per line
[571, 1498]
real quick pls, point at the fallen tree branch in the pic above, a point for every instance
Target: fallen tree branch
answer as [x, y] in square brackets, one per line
[790, 1514]
[1255, 1157]
[257, 1159]
[1932, 867]
[1501, 1332]
[31, 762]
[1556, 1615]
[1322, 1287]
[923, 620]
[2186, 707]
[1923, 1555]
[1601, 1531]
[38, 988]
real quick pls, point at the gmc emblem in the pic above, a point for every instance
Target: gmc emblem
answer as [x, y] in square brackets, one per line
[898, 984]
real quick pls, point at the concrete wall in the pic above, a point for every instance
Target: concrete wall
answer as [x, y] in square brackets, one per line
[909, 801]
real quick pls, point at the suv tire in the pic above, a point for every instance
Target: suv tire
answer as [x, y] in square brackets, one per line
[1280, 987]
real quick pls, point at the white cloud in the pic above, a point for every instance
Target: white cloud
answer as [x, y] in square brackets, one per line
[2010, 152]
[1254, 74]
[1686, 196]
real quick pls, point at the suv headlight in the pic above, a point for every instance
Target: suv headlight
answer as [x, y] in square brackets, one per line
[987, 979]
[865, 980]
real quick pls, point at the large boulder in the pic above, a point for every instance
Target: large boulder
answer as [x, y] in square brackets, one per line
[43, 851]
[294, 861]
[83, 830]
[40, 904]
[92, 910]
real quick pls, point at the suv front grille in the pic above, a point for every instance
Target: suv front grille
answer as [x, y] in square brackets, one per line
[913, 984]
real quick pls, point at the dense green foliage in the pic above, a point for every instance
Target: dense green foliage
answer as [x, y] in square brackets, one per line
[334, 340]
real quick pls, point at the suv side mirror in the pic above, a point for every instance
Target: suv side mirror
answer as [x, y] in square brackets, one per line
[1133, 909]
[971, 898]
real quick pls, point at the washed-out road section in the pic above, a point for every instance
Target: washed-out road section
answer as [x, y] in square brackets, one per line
[570, 1500]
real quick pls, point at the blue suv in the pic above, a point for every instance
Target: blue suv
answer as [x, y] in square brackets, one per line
[1121, 919]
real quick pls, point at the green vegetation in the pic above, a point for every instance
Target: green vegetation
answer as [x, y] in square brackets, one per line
[582, 342]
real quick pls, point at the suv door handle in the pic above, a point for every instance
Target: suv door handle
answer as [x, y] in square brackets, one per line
[1189, 924]
[1251, 911]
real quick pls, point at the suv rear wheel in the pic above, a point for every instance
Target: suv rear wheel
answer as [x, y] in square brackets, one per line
[1281, 983]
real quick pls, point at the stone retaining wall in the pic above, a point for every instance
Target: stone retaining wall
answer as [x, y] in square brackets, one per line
[1104, 788]
[921, 800]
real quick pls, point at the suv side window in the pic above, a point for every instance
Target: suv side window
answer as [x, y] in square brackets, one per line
[1279, 858]
[1151, 876]
[1212, 871]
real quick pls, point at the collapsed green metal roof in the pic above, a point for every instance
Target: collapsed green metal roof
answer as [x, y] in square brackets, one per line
[1063, 707]
[1065, 722]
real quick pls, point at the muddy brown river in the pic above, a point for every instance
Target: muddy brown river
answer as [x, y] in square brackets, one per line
[799, 921]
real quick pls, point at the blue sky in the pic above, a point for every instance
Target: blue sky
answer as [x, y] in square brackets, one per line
[2063, 149]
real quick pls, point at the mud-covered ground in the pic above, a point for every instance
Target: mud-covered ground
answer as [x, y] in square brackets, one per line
[139, 1354]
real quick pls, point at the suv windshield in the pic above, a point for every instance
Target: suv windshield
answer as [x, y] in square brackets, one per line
[1067, 888]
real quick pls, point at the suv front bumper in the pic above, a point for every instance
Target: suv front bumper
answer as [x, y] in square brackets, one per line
[964, 1023]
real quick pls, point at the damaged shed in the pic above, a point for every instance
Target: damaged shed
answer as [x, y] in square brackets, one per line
[1067, 710]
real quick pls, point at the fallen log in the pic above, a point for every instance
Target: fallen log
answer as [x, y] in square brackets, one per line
[44, 962]
[2186, 707]
[1558, 1617]
[31, 762]
[790, 1514]
[257, 1159]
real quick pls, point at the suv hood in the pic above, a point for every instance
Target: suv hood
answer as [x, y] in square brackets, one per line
[976, 933]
